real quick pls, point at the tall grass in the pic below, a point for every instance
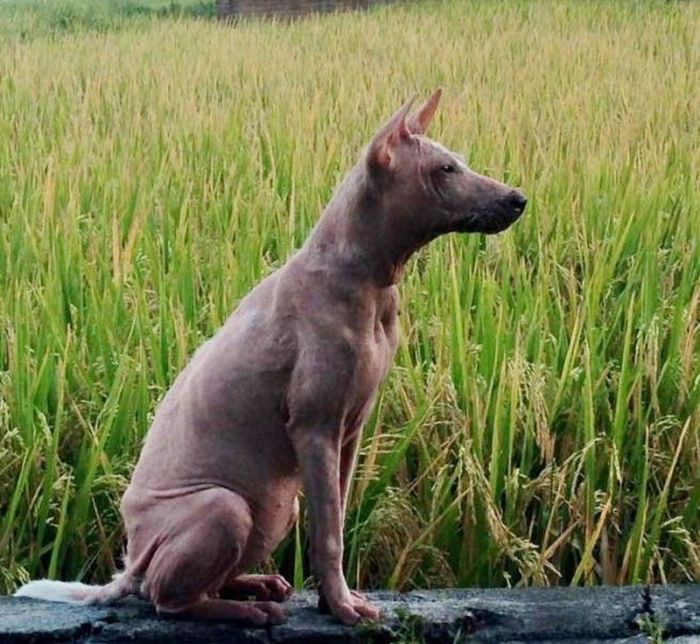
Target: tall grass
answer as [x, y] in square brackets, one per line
[540, 425]
[30, 19]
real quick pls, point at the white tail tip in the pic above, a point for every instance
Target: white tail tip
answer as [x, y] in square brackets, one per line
[56, 591]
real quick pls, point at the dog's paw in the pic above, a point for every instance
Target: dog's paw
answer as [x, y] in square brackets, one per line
[263, 587]
[352, 608]
[269, 613]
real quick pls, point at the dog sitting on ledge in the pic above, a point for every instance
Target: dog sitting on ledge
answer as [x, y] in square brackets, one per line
[277, 399]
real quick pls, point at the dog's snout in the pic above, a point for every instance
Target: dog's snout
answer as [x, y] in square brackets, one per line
[518, 201]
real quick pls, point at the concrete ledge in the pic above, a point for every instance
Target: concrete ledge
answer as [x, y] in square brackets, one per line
[572, 615]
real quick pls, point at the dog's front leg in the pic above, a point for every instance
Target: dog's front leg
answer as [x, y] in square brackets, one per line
[348, 461]
[318, 453]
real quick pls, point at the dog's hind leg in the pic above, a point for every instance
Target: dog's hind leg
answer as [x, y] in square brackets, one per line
[259, 613]
[200, 549]
[266, 587]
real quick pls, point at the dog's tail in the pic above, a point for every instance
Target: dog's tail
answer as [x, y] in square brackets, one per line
[75, 592]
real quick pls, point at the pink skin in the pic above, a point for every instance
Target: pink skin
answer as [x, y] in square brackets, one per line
[277, 399]
[266, 587]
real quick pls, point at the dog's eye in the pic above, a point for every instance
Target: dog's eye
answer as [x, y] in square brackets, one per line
[448, 168]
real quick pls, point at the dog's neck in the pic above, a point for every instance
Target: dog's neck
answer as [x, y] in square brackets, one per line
[357, 238]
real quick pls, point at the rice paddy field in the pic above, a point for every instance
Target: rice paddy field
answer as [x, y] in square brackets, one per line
[541, 423]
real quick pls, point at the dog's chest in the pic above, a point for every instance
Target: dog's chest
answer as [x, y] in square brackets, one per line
[386, 329]
[374, 354]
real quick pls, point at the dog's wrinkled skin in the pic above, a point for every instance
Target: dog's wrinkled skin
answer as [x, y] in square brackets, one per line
[277, 399]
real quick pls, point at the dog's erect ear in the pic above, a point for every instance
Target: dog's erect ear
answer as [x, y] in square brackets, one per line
[389, 136]
[419, 122]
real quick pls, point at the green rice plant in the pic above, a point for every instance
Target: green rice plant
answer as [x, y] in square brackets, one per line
[540, 425]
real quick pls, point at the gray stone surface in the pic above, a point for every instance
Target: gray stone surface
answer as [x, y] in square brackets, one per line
[545, 615]
[676, 609]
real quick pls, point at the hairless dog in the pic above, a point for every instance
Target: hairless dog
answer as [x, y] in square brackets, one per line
[277, 399]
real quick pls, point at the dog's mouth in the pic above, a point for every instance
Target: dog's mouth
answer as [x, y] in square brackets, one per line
[488, 222]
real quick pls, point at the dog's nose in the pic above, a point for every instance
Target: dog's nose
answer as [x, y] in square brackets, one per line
[518, 201]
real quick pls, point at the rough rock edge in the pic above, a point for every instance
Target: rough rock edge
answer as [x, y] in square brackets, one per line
[570, 615]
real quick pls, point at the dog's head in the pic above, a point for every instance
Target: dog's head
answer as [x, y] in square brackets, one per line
[431, 187]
